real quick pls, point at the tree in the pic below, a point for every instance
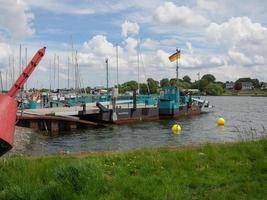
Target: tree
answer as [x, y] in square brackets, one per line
[143, 88]
[187, 79]
[173, 82]
[238, 86]
[164, 82]
[128, 86]
[184, 85]
[153, 85]
[214, 89]
[255, 82]
[209, 78]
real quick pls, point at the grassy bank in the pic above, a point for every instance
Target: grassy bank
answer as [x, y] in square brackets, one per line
[255, 92]
[216, 171]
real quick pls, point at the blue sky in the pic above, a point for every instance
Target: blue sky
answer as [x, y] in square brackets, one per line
[223, 37]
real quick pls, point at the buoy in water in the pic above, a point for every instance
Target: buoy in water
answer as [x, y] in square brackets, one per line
[220, 121]
[176, 129]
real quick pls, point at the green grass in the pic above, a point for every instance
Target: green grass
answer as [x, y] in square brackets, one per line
[255, 92]
[213, 171]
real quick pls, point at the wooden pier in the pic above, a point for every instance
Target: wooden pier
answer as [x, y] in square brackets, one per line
[57, 119]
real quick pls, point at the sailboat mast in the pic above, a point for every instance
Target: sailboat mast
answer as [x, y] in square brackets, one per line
[1, 81]
[107, 72]
[50, 74]
[58, 72]
[117, 56]
[138, 65]
[54, 72]
[68, 72]
[26, 62]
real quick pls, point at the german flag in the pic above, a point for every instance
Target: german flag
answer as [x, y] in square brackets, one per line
[175, 56]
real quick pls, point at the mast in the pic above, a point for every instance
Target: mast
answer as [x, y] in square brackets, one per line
[58, 72]
[26, 73]
[138, 65]
[50, 74]
[6, 79]
[107, 72]
[21, 90]
[76, 73]
[68, 72]
[72, 61]
[13, 69]
[177, 68]
[54, 70]
[117, 56]
[1, 81]
[198, 74]
[26, 61]
[9, 71]
[20, 65]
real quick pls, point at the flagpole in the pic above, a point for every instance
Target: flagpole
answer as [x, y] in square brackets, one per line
[177, 67]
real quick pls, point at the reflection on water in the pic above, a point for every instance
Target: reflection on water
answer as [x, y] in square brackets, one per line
[240, 113]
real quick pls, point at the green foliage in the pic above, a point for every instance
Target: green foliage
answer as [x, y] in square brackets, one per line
[184, 85]
[143, 88]
[255, 82]
[153, 85]
[214, 89]
[214, 171]
[164, 82]
[209, 77]
[173, 82]
[128, 86]
[187, 79]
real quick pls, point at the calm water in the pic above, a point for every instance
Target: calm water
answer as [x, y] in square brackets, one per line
[242, 114]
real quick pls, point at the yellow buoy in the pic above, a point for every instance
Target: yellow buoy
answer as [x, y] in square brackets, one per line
[220, 121]
[176, 129]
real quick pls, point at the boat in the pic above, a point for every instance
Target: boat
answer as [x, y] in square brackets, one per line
[8, 105]
[172, 103]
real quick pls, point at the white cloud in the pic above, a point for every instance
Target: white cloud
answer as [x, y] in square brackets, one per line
[259, 59]
[169, 13]
[242, 40]
[238, 31]
[15, 19]
[207, 4]
[131, 45]
[149, 44]
[239, 58]
[100, 46]
[189, 47]
[129, 28]
[62, 7]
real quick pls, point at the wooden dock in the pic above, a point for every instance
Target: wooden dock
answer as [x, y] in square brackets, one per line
[57, 119]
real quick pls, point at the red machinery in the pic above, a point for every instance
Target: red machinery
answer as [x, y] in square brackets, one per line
[8, 105]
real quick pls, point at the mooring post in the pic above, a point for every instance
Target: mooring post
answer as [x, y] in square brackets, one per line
[54, 127]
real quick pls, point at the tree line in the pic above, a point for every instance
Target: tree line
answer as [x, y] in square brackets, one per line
[206, 85]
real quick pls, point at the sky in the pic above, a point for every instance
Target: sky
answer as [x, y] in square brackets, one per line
[225, 38]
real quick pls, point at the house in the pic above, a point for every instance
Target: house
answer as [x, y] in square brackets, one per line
[230, 85]
[264, 86]
[247, 86]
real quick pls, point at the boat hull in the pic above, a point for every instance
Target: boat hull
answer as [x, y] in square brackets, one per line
[132, 115]
[8, 109]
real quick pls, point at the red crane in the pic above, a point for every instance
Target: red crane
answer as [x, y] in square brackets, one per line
[8, 104]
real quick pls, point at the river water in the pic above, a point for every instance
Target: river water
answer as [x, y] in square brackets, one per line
[245, 117]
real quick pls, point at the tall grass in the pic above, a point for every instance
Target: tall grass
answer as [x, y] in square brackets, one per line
[214, 171]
